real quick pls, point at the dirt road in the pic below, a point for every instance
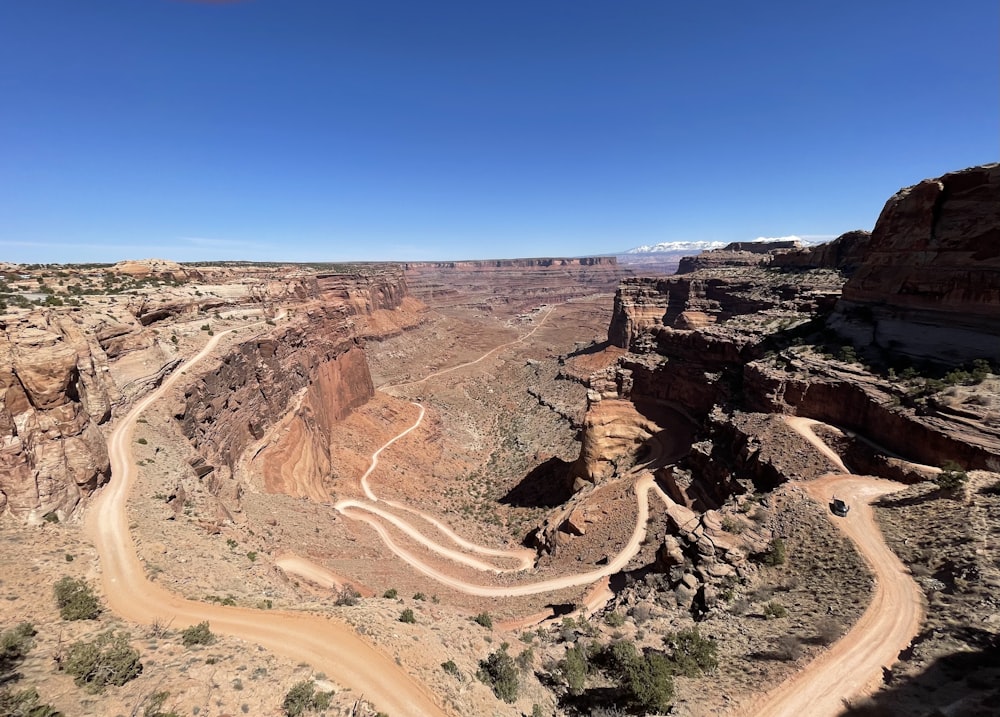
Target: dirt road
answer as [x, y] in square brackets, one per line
[852, 667]
[325, 644]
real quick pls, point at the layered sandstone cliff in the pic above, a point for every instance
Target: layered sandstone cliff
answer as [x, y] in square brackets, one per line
[929, 285]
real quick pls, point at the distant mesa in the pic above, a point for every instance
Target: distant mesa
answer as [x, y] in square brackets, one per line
[156, 268]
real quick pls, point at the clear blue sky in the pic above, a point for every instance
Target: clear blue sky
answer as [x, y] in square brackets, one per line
[416, 129]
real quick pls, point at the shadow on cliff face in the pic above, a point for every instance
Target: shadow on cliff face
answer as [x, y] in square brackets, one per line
[549, 484]
[964, 683]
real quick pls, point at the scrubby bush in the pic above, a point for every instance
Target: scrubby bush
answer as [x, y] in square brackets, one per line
[691, 654]
[347, 596]
[451, 668]
[574, 669]
[499, 673]
[484, 619]
[303, 698]
[614, 619]
[952, 477]
[774, 610]
[109, 659]
[776, 554]
[391, 594]
[25, 703]
[197, 635]
[407, 616]
[15, 643]
[76, 600]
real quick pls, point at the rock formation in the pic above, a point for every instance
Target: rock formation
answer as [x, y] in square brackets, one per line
[929, 285]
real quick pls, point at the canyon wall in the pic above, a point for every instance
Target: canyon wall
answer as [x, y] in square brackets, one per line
[929, 284]
[510, 284]
[53, 398]
[309, 374]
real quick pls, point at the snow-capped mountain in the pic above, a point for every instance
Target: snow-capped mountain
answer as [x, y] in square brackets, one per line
[698, 246]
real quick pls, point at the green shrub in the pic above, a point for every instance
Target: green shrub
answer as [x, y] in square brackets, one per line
[106, 660]
[499, 673]
[303, 698]
[614, 619]
[142, 441]
[952, 477]
[650, 684]
[391, 594]
[25, 703]
[76, 600]
[692, 654]
[15, 644]
[197, 635]
[774, 610]
[419, 596]
[484, 619]
[407, 616]
[776, 554]
[451, 668]
[574, 669]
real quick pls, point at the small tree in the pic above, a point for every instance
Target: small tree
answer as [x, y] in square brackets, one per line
[347, 597]
[76, 600]
[498, 671]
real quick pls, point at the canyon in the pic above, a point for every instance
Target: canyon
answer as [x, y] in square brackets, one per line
[601, 468]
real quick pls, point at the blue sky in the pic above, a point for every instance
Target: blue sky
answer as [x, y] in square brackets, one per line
[320, 130]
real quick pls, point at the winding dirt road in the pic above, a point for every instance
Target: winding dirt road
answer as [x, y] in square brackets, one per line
[849, 668]
[326, 644]
[853, 665]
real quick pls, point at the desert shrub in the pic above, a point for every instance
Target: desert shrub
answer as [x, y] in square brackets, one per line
[154, 706]
[25, 703]
[484, 619]
[108, 659]
[391, 594]
[419, 596]
[952, 477]
[827, 631]
[303, 698]
[407, 616]
[574, 669]
[76, 600]
[614, 619]
[774, 610]
[650, 683]
[142, 441]
[197, 635]
[525, 659]
[789, 648]
[15, 644]
[347, 596]
[692, 654]
[451, 668]
[499, 673]
[776, 554]
[731, 525]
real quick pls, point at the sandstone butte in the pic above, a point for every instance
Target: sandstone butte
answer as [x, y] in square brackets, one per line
[693, 398]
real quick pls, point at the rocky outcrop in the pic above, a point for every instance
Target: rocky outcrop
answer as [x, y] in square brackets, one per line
[512, 284]
[53, 397]
[929, 285]
[736, 254]
[845, 254]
